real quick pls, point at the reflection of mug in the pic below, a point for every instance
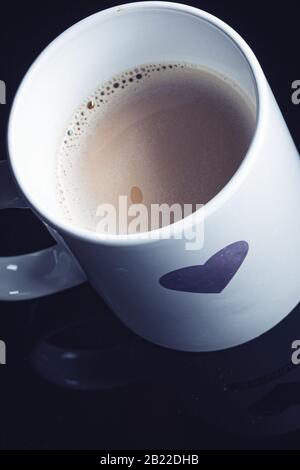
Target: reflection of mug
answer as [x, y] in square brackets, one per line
[250, 389]
[245, 279]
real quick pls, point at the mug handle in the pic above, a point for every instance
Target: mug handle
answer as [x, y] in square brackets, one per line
[36, 274]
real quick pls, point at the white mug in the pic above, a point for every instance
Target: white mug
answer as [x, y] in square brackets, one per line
[245, 279]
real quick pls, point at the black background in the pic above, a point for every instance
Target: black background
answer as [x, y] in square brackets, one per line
[158, 410]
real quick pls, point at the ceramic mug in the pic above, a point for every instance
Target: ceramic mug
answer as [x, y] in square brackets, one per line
[245, 279]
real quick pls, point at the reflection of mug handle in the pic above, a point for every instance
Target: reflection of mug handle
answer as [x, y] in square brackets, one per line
[36, 274]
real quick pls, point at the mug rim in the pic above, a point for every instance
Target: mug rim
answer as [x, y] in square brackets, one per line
[213, 204]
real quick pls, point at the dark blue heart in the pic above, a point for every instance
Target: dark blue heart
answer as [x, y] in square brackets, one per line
[213, 276]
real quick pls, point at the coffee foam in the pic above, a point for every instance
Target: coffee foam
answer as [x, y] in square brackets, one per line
[90, 112]
[86, 119]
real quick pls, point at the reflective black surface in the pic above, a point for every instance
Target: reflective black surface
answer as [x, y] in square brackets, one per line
[76, 378]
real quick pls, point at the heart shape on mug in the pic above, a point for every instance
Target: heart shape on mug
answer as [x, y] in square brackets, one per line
[211, 277]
